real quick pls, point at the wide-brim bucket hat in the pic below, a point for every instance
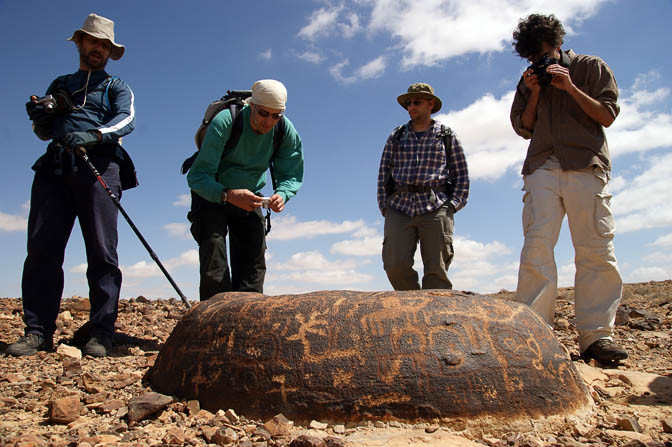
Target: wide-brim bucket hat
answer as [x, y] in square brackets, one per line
[101, 28]
[420, 90]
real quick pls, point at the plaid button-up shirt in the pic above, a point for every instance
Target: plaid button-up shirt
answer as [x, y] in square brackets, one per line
[422, 162]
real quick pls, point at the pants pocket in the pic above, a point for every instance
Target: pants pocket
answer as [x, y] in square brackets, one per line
[604, 219]
[195, 227]
[528, 212]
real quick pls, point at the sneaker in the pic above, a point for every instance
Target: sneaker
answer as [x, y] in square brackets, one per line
[98, 346]
[29, 344]
[605, 350]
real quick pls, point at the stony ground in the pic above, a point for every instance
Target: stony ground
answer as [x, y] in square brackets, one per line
[59, 399]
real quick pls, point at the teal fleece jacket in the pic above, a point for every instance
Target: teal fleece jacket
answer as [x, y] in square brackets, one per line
[245, 166]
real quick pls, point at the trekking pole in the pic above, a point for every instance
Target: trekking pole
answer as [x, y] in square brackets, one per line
[82, 153]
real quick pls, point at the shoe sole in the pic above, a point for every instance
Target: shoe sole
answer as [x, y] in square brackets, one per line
[21, 353]
[612, 359]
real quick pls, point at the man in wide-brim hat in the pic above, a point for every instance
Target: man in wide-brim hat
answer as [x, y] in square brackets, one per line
[86, 109]
[100, 28]
[422, 91]
[422, 181]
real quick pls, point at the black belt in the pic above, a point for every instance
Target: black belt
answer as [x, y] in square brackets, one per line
[420, 188]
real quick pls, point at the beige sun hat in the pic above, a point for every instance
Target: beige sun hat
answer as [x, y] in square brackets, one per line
[101, 28]
[420, 90]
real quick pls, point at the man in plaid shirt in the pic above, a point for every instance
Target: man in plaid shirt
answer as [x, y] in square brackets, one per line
[421, 184]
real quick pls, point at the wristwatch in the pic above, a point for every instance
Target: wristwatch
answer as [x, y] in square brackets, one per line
[225, 196]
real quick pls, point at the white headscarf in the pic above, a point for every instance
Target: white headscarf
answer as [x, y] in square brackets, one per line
[269, 93]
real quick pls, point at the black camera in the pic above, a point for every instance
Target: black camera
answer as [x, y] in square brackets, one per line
[48, 102]
[539, 68]
[59, 102]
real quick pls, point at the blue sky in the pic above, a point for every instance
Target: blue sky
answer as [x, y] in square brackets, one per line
[344, 63]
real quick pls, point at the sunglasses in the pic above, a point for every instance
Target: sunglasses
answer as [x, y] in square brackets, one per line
[415, 102]
[265, 114]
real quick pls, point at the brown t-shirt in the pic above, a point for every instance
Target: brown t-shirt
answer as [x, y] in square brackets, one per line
[562, 128]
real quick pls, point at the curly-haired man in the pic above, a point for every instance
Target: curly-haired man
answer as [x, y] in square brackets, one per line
[562, 104]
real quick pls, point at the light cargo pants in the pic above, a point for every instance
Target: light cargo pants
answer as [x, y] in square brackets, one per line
[550, 193]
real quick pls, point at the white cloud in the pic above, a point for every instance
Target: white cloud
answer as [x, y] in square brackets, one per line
[663, 241]
[141, 269]
[182, 200]
[81, 268]
[617, 184]
[321, 23]
[429, 32]
[484, 130]
[350, 26]
[339, 278]
[335, 20]
[642, 125]
[266, 55]
[650, 274]
[189, 258]
[367, 246]
[643, 204]
[432, 31]
[482, 267]
[658, 257]
[305, 269]
[311, 56]
[12, 222]
[149, 269]
[566, 274]
[287, 228]
[313, 260]
[336, 72]
[372, 69]
[180, 230]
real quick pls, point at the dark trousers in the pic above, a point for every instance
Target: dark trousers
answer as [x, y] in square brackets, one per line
[55, 202]
[211, 223]
[434, 232]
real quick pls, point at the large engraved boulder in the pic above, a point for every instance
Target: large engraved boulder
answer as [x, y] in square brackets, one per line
[343, 355]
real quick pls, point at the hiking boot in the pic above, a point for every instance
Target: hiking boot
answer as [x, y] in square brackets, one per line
[29, 344]
[605, 350]
[98, 346]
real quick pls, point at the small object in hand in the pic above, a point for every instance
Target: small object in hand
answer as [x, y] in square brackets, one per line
[48, 102]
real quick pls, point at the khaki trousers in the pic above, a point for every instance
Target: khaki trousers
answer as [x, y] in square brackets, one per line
[434, 231]
[550, 193]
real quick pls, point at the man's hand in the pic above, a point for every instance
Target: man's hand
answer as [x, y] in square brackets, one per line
[561, 78]
[277, 203]
[244, 199]
[37, 113]
[593, 108]
[76, 139]
[531, 81]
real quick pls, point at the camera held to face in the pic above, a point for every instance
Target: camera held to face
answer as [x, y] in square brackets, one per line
[48, 102]
[539, 68]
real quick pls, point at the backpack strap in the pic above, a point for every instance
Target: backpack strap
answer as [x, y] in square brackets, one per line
[106, 95]
[236, 130]
[278, 136]
[396, 138]
[447, 136]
